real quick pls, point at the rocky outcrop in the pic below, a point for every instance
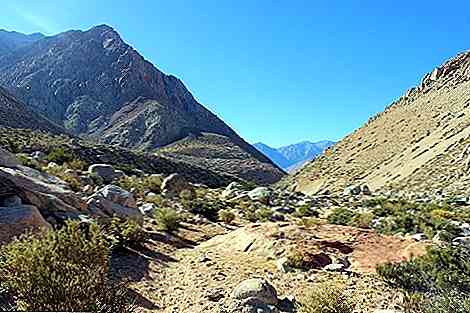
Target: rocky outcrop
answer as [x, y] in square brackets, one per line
[18, 219]
[112, 201]
[105, 171]
[28, 198]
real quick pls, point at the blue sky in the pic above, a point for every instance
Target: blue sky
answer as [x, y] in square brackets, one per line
[276, 71]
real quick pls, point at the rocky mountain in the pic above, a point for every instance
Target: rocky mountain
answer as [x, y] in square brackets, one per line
[419, 142]
[294, 156]
[97, 86]
[11, 40]
[15, 114]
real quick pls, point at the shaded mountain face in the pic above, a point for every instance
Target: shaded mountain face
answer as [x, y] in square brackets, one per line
[97, 86]
[15, 114]
[10, 40]
[292, 157]
[421, 142]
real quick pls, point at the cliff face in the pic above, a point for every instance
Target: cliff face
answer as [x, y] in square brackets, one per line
[420, 142]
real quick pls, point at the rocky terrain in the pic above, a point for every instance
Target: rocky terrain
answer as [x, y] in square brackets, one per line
[152, 204]
[15, 114]
[95, 85]
[238, 248]
[292, 157]
[419, 143]
[11, 40]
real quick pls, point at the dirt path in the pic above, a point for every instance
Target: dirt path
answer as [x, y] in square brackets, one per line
[196, 270]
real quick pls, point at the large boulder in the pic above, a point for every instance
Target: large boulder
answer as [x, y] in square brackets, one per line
[256, 288]
[174, 184]
[17, 220]
[232, 190]
[261, 194]
[105, 171]
[112, 201]
[7, 159]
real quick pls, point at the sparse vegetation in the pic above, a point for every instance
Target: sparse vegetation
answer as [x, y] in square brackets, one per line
[141, 185]
[60, 155]
[126, 233]
[226, 216]
[327, 298]
[65, 270]
[167, 218]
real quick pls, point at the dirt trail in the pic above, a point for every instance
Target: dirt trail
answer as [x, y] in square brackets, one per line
[196, 270]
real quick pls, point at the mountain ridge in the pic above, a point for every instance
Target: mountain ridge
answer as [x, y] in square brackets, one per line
[99, 87]
[419, 142]
[293, 156]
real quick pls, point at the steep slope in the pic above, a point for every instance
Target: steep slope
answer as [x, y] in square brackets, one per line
[421, 142]
[221, 155]
[11, 40]
[96, 85]
[293, 156]
[16, 115]
[273, 154]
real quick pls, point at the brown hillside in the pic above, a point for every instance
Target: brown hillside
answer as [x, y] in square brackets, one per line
[420, 142]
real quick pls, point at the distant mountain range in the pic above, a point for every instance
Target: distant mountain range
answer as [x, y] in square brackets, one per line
[294, 156]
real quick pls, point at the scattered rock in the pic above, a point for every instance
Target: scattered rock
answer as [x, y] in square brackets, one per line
[232, 190]
[17, 220]
[283, 265]
[114, 201]
[105, 171]
[258, 289]
[261, 194]
[174, 184]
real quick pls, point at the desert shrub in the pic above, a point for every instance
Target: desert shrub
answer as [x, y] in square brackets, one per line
[140, 185]
[326, 298]
[207, 208]
[64, 270]
[28, 162]
[448, 302]
[167, 218]
[76, 164]
[226, 216]
[362, 220]
[440, 270]
[59, 155]
[126, 233]
[306, 211]
[59, 171]
[158, 200]
[263, 214]
[341, 216]
[187, 195]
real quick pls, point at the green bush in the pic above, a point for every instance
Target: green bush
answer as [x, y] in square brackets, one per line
[59, 155]
[440, 270]
[28, 162]
[306, 211]
[226, 216]
[341, 216]
[141, 185]
[126, 233]
[326, 298]
[207, 208]
[64, 270]
[167, 218]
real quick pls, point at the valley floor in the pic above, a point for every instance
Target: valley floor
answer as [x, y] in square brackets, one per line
[196, 269]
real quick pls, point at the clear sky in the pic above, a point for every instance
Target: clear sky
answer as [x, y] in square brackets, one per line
[276, 71]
